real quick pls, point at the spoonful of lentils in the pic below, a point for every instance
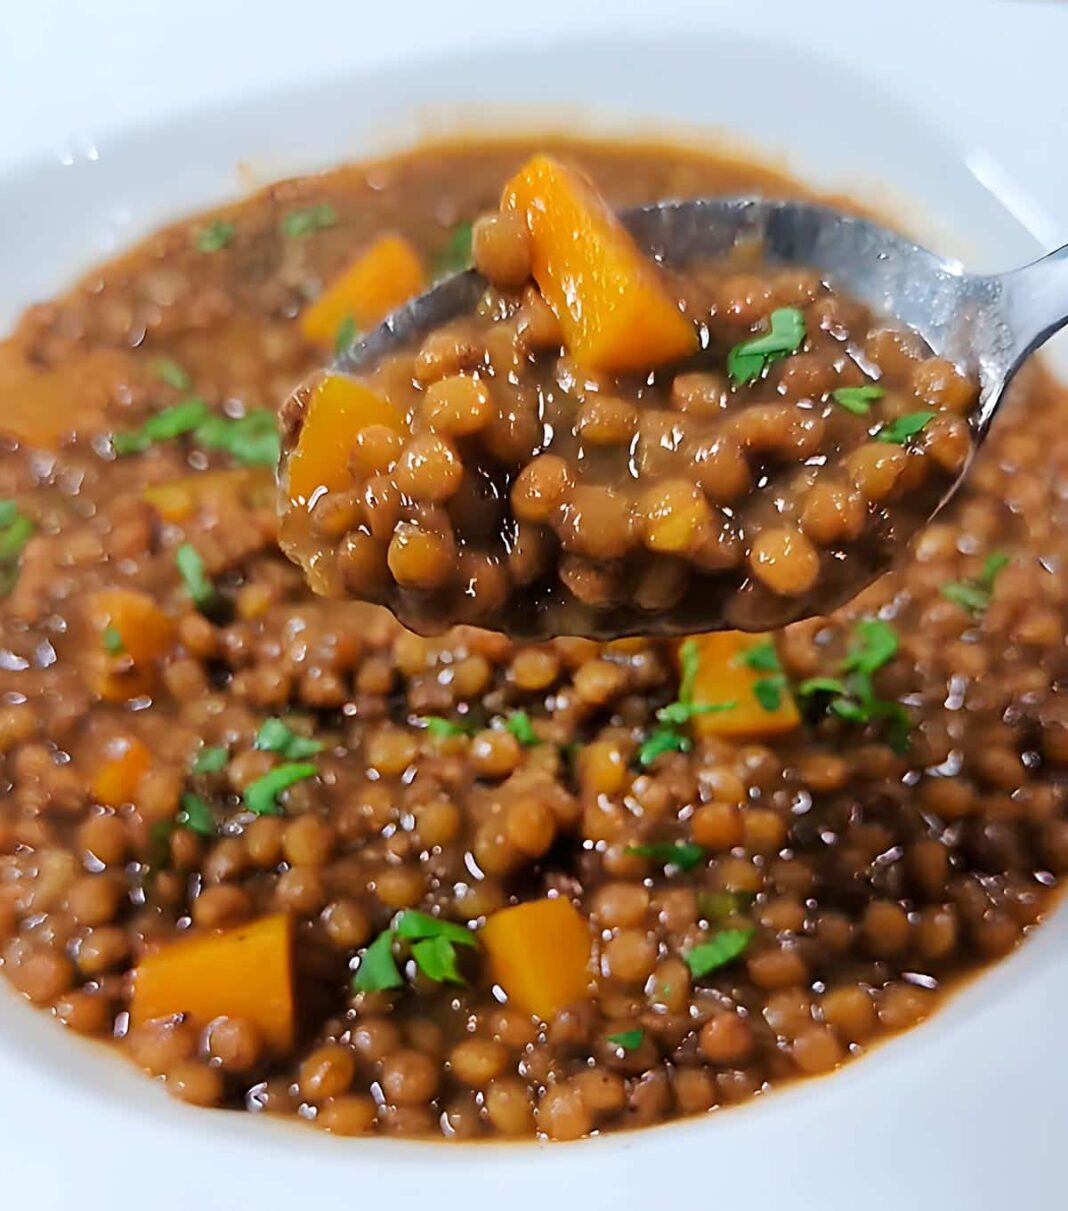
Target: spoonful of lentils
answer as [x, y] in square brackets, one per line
[695, 415]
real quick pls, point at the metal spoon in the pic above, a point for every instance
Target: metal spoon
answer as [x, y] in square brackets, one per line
[988, 325]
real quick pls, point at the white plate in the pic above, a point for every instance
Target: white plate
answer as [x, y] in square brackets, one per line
[931, 108]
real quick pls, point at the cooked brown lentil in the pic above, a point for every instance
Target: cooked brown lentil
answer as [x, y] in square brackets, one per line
[761, 892]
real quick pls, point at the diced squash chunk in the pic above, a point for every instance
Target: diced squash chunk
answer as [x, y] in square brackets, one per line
[45, 407]
[723, 677]
[118, 774]
[615, 309]
[146, 635]
[539, 953]
[243, 972]
[338, 408]
[176, 500]
[376, 283]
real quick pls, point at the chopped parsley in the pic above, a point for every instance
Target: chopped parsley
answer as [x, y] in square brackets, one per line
[167, 370]
[722, 948]
[667, 738]
[210, 760]
[747, 361]
[197, 815]
[440, 728]
[261, 795]
[275, 736]
[851, 696]
[165, 425]
[683, 854]
[858, 400]
[627, 1040]
[347, 332]
[763, 657]
[251, 440]
[191, 569]
[976, 595]
[309, 220]
[899, 431]
[16, 530]
[217, 235]
[678, 713]
[663, 740]
[455, 255]
[689, 665]
[112, 641]
[768, 691]
[378, 968]
[519, 724]
[433, 948]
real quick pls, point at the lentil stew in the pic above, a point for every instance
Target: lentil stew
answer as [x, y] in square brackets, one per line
[606, 446]
[291, 858]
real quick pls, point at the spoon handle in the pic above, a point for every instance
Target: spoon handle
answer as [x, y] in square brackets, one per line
[1035, 303]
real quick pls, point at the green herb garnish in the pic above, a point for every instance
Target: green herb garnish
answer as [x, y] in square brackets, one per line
[689, 664]
[167, 424]
[858, 400]
[768, 691]
[210, 760]
[436, 959]
[309, 220]
[875, 643]
[683, 854]
[627, 1040]
[663, 740]
[519, 724]
[197, 815]
[191, 569]
[168, 371]
[762, 657]
[746, 362]
[112, 642]
[441, 728]
[679, 713]
[434, 943]
[16, 531]
[346, 333]
[251, 440]
[378, 968]
[976, 595]
[455, 256]
[218, 234]
[415, 924]
[275, 736]
[261, 795]
[9, 510]
[722, 948]
[899, 431]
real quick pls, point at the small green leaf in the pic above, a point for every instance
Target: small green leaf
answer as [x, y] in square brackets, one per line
[722, 948]
[627, 1040]
[346, 334]
[275, 736]
[821, 685]
[261, 795]
[217, 235]
[968, 595]
[455, 256]
[415, 924]
[519, 724]
[210, 760]
[683, 854]
[992, 565]
[112, 642]
[899, 431]
[168, 371]
[746, 361]
[679, 713]
[762, 657]
[9, 510]
[436, 959]
[768, 691]
[858, 400]
[168, 423]
[251, 440]
[441, 728]
[191, 569]
[874, 644]
[663, 740]
[197, 815]
[14, 538]
[689, 664]
[378, 968]
[309, 220]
